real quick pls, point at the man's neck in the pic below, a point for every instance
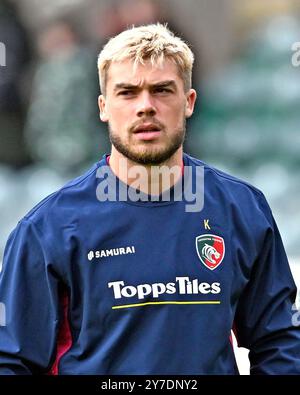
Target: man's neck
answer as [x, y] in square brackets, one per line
[149, 179]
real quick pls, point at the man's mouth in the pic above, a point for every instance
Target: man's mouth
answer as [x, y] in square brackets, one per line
[147, 131]
[147, 127]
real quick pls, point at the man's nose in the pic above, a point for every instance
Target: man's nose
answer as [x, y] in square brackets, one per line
[145, 105]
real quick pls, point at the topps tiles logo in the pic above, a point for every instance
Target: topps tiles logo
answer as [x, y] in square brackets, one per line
[181, 285]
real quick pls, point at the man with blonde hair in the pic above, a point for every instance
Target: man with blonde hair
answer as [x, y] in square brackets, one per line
[146, 263]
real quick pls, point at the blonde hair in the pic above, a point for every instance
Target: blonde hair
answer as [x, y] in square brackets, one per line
[153, 42]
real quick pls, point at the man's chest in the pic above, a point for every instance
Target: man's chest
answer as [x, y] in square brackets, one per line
[161, 259]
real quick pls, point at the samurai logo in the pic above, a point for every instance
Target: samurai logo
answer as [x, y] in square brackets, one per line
[210, 250]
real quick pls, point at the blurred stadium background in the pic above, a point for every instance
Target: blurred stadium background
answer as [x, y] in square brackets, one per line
[247, 118]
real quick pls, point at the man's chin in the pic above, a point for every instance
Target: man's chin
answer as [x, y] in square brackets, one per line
[148, 154]
[154, 157]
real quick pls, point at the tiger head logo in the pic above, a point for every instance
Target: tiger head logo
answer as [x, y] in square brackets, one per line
[210, 250]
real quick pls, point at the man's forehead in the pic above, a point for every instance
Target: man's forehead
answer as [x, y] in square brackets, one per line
[141, 74]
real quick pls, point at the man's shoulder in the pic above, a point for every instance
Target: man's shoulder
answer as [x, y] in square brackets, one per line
[70, 196]
[217, 177]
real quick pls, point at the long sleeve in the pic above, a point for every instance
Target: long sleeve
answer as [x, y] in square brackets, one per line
[263, 319]
[29, 297]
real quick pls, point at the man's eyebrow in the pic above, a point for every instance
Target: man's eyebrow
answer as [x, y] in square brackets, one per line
[125, 85]
[165, 83]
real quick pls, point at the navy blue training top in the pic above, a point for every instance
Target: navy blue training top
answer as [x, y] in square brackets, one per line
[149, 287]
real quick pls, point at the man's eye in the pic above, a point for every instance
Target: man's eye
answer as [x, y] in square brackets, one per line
[125, 93]
[162, 90]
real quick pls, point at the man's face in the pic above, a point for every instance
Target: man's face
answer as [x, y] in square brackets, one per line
[146, 110]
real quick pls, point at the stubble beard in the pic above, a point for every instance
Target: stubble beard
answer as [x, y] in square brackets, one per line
[149, 155]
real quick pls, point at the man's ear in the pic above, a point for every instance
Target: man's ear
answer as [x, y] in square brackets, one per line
[190, 102]
[102, 108]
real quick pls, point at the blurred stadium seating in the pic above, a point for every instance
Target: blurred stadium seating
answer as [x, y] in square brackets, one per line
[248, 123]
